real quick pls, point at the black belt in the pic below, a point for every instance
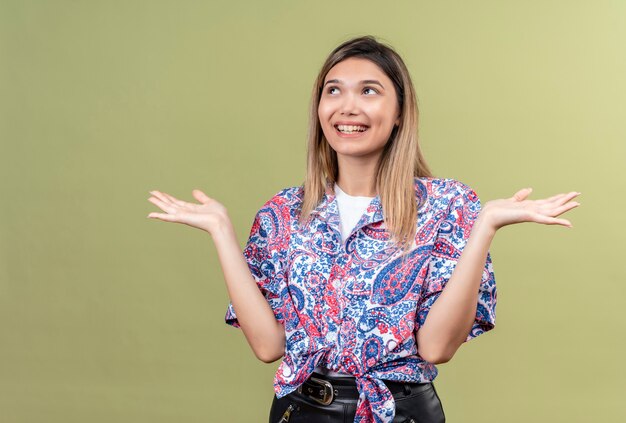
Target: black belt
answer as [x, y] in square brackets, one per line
[325, 389]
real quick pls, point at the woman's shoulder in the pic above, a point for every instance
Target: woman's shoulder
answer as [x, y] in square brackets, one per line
[443, 187]
[285, 199]
[277, 212]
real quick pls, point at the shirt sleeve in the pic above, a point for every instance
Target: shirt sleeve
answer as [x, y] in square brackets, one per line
[451, 239]
[264, 253]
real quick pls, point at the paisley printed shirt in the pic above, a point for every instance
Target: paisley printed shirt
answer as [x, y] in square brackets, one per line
[355, 306]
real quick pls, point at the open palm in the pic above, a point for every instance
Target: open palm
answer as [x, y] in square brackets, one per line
[203, 216]
[518, 209]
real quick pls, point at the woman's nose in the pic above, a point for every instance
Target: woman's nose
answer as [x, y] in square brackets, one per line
[349, 105]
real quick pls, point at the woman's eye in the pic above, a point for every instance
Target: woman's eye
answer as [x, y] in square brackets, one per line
[333, 90]
[369, 90]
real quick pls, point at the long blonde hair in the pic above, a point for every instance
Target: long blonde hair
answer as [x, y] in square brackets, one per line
[401, 160]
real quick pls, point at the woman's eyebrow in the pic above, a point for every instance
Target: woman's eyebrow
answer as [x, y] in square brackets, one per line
[363, 82]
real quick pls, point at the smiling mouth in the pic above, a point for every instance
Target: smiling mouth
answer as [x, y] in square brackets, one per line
[351, 129]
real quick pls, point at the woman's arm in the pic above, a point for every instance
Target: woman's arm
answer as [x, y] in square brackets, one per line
[452, 315]
[263, 332]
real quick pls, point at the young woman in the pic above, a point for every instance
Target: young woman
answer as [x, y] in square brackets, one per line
[372, 271]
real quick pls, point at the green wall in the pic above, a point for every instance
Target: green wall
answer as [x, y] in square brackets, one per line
[107, 316]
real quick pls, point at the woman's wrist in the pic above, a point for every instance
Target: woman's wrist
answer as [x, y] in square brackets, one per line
[484, 224]
[221, 228]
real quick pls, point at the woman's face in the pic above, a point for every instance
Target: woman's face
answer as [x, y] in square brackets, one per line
[358, 108]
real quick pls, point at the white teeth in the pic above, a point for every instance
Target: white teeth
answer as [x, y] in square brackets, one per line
[348, 129]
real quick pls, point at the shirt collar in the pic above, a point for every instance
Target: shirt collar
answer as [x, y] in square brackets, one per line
[328, 210]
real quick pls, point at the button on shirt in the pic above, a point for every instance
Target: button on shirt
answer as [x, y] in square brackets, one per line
[354, 306]
[350, 208]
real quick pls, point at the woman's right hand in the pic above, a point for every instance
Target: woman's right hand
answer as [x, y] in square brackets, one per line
[209, 215]
[263, 332]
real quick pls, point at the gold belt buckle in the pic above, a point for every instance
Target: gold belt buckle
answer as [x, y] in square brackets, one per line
[327, 395]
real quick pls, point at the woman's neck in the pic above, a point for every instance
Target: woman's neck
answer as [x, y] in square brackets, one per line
[357, 177]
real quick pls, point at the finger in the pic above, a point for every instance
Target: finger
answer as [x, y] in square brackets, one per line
[555, 197]
[522, 194]
[162, 205]
[161, 196]
[548, 220]
[177, 201]
[163, 216]
[200, 196]
[567, 197]
[550, 199]
[564, 208]
[559, 198]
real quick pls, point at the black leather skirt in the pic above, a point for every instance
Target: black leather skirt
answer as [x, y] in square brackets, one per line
[327, 399]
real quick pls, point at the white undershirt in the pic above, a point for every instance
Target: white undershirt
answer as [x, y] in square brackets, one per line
[351, 208]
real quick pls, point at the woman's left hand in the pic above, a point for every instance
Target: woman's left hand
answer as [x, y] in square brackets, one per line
[518, 209]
